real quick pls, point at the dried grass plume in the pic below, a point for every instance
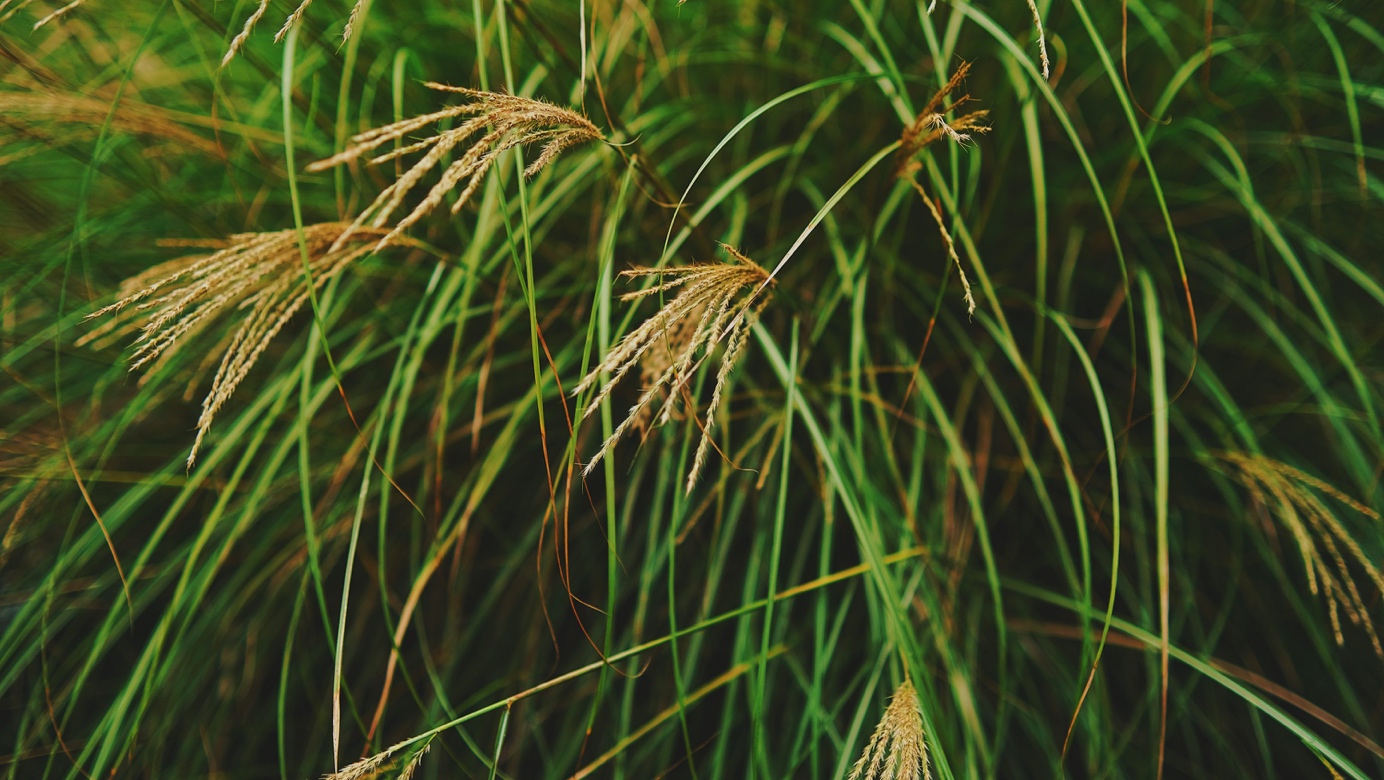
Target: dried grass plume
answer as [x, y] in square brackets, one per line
[1327, 548]
[376, 765]
[55, 118]
[931, 125]
[263, 7]
[507, 121]
[715, 305]
[897, 749]
[258, 275]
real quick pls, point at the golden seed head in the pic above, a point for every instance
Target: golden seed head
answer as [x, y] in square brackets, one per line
[502, 122]
[259, 275]
[716, 304]
[897, 749]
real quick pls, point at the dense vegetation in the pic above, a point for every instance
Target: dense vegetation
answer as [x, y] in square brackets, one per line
[1120, 520]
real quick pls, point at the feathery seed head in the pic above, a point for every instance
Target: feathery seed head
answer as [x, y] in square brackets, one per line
[59, 118]
[932, 124]
[263, 7]
[372, 766]
[897, 749]
[259, 274]
[1326, 546]
[502, 121]
[715, 305]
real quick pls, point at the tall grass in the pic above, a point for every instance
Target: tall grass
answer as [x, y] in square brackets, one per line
[1055, 451]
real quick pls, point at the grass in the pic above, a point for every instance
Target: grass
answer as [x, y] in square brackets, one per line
[1030, 429]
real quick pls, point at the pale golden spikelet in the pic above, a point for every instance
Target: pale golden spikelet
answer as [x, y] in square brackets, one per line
[376, 765]
[715, 305]
[932, 125]
[292, 19]
[502, 123]
[58, 14]
[897, 749]
[1042, 38]
[62, 118]
[1328, 550]
[259, 276]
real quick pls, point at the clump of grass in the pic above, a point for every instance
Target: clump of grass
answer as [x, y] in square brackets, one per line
[508, 120]
[897, 749]
[712, 307]
[931, 125]
[259, 274]
[1292, 496]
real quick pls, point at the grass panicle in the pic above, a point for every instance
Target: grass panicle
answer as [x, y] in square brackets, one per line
[930, 126]
[57, 14]
[374, 766]
[1042, 39]
[62, 118]
[259, 275]
[715, 305]
[897, 749]
[239, 41]
[1326, 546]
[503, 123]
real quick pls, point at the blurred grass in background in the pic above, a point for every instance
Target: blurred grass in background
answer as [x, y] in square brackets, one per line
[1122, 521]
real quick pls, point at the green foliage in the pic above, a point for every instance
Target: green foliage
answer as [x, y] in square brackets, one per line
[1121, 521]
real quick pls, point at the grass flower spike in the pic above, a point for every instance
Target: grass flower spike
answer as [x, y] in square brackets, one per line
[671, 345]
[932, 125]
[897, 749]
[259, 274]
[503, 122]
[292, 19]
[1325, 544]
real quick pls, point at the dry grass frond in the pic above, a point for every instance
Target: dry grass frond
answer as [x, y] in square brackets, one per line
[897, 749]
[950, 244]
[59, 117]
[507, 121]
[1042, 38]
[711, 308]
[930, 126]
[374, 766]
[1326, 546]
[58, 14]
[292, 19]
[259, 274]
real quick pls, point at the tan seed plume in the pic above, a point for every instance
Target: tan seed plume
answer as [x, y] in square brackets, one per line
[58, 14]
[1042, 38]
[1326, 546]
[59, 118]
[373, 766]
[239, 41]
[503, 122]
[715, 305]
[259, 275]
[897, 749]
[931, 125]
